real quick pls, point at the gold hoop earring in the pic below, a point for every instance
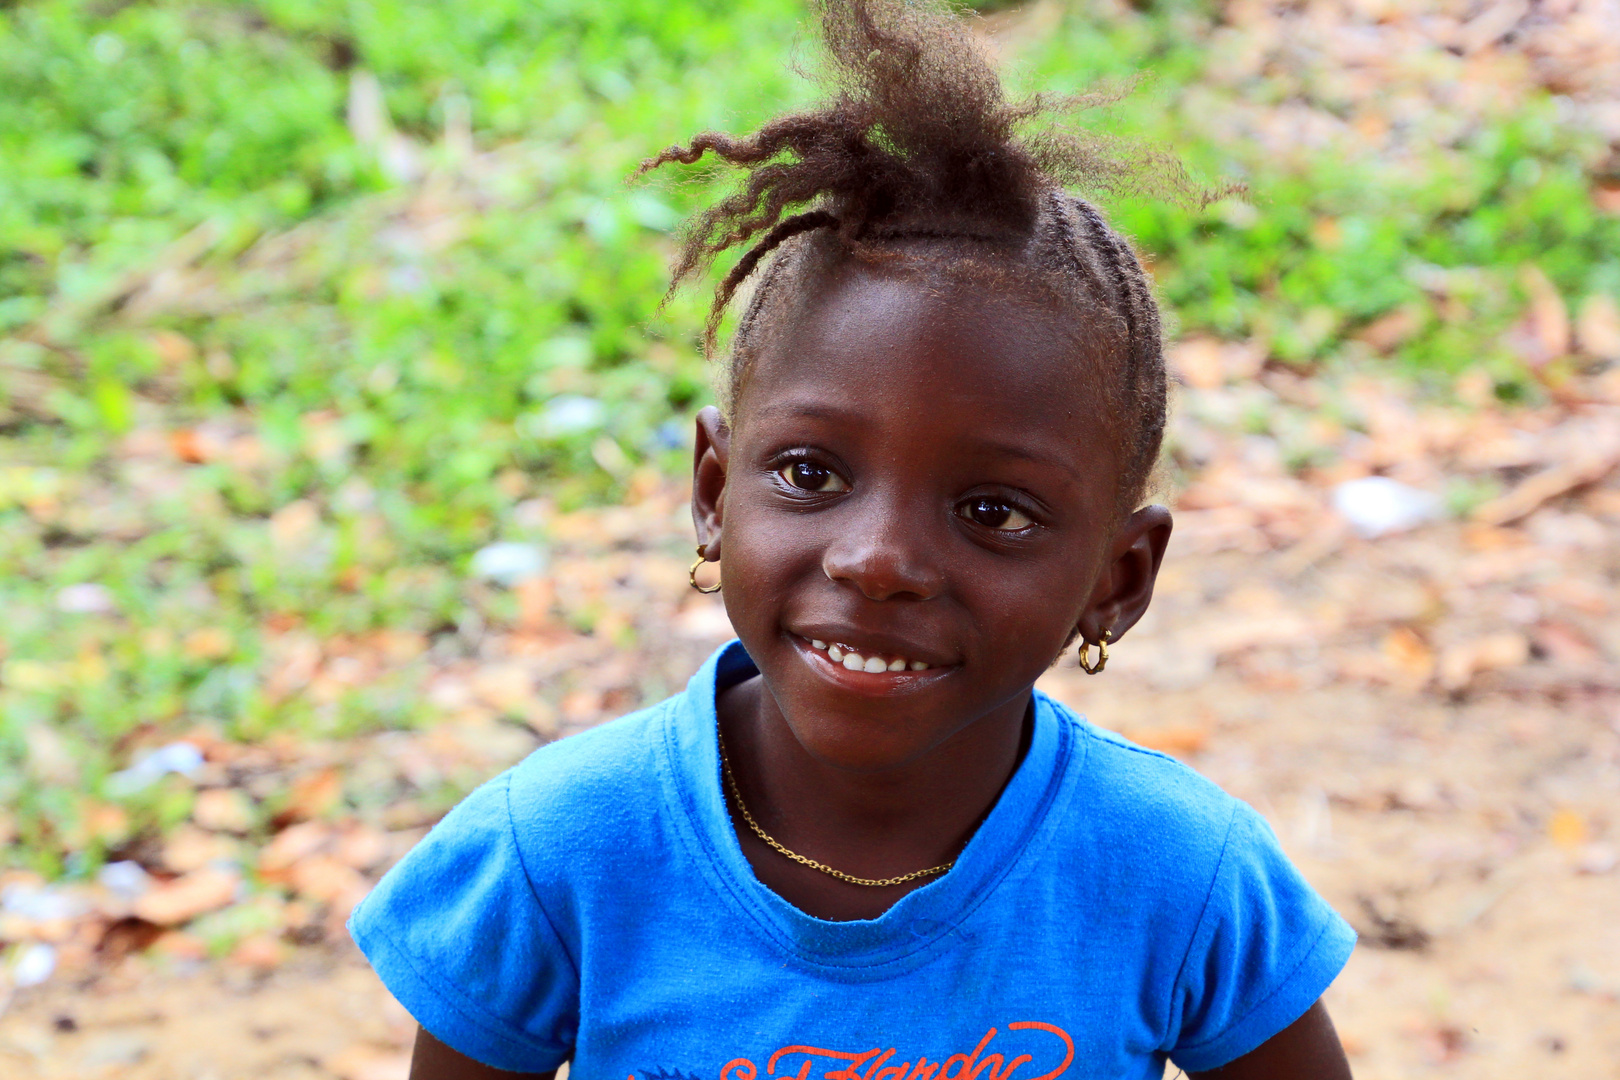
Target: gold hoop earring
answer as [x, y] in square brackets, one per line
[1102, 654]
[691, 575]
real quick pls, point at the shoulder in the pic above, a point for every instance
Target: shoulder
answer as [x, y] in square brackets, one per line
[593, 794]
[568, 815]
[1150, 788]
[1152, 827]
[607, 770]
[559, 796]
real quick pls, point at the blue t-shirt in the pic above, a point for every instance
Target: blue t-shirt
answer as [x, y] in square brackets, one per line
[592, 905]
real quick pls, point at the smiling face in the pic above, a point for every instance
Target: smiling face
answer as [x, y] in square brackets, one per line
[916, 508]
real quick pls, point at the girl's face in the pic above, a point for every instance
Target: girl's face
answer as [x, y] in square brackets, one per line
[919, 478]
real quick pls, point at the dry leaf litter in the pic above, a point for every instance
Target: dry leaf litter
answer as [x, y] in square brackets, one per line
[1389, 624]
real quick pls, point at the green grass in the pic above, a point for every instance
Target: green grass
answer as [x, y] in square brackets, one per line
[1330, 241]
[396, 380]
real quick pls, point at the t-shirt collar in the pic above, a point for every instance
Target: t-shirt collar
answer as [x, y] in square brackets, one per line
[921, 918]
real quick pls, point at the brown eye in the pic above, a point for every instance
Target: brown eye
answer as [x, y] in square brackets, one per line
[994, 514]
[807, 476]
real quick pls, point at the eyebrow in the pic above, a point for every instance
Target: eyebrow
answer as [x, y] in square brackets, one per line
[815, 410]
[819, 410]
[1023, 453]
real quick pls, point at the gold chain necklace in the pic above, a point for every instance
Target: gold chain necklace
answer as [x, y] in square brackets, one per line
[731, 782]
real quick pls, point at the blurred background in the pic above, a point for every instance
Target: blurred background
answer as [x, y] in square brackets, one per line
[342, 463]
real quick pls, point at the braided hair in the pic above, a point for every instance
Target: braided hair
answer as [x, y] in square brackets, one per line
[918, 161]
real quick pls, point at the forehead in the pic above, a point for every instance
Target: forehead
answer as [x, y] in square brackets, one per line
[937, 356]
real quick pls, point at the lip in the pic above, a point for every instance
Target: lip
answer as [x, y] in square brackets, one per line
[873, 683]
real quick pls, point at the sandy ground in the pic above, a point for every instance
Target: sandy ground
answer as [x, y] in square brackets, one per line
[1464, 836]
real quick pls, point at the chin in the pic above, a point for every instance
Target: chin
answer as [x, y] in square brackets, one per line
[859, 733]
[844, 743]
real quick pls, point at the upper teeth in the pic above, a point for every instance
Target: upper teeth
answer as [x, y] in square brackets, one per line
[854, 661]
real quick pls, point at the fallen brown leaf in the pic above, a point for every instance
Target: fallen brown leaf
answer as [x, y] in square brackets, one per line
[122, 937]
[291, 845]
[1548, 318]
[1549, 484]
[293, 525]
[1564, 644]
[1567, 829]
[1410, 654]
[324, 879]
[1389, 332]
[535, 596]
[223, 810]
[261, 952]
[189, 848]
[1597, 330]
[184, 898]
[1460, 663]
[188, 446]
[312, 796]
[1206, 363]
[180, 946]
[507, 688]
[582, 706]
[361, 847]
[173, 348]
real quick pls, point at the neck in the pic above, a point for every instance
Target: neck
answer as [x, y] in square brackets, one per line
[871, 824]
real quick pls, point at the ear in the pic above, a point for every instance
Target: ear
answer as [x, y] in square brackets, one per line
[1125, 586]
[710, 452]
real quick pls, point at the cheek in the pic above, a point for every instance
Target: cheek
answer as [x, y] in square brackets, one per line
[1031, 605]
[763, 555]
[1034, 613]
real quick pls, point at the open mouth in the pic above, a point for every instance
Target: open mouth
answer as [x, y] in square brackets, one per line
[852, 659]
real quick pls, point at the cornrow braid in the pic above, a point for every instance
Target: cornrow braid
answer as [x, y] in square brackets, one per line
[916, 159]
[1143, 381]
[787, 227]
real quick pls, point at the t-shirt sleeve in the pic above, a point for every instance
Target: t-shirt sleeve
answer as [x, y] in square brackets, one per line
[457, 933]
[1264, 949]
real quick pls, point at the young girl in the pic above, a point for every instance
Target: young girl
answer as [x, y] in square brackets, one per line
[861, 846]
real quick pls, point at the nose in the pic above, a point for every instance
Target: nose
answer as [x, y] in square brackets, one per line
[888, 548]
